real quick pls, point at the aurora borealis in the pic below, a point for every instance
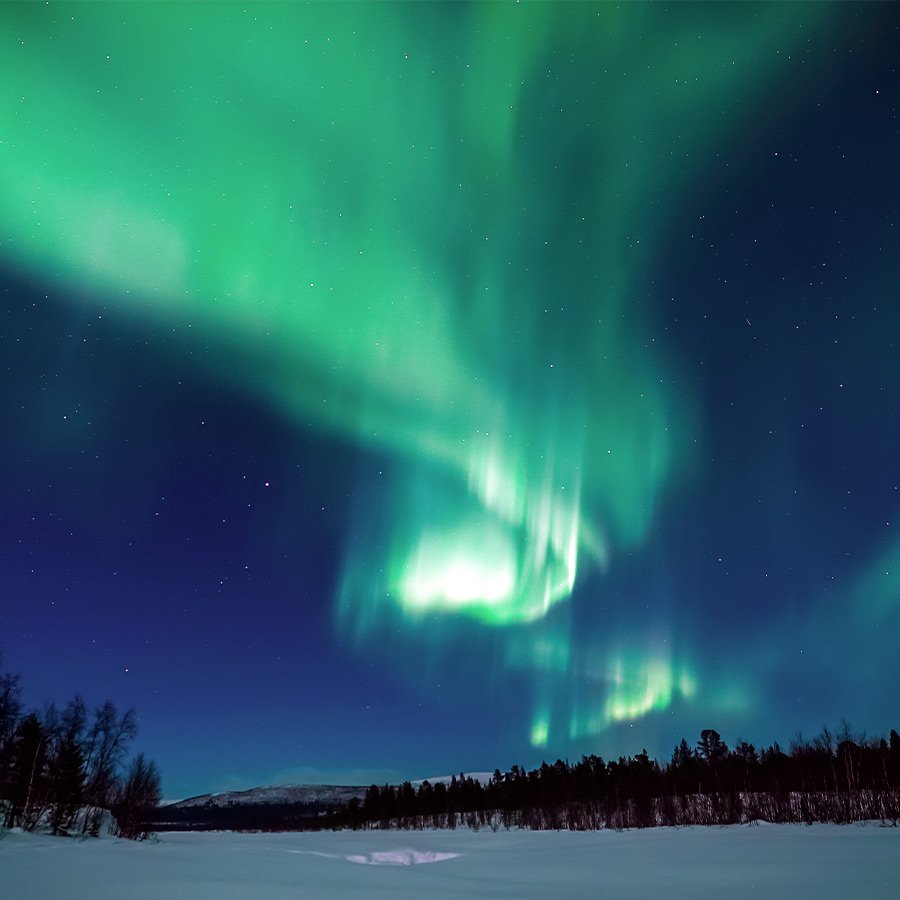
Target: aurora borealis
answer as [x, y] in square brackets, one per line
[396, 388]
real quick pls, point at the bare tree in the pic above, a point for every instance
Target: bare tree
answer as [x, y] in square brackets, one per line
[104, 752]
[138, 796]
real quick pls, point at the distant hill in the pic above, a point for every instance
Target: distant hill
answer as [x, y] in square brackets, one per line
[280, 808]
[327, 794]
[481, 777]
[289, 807]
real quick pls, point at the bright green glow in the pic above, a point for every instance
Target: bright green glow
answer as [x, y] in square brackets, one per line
[456, 570]
[638, 689]
[686, 684]
[509, 558]
[424, 228]
[635, 685]
[540, 732]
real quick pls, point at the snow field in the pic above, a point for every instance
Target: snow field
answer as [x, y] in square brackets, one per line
[817, 862]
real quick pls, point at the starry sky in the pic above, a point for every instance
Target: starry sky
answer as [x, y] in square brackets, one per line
[396, 389]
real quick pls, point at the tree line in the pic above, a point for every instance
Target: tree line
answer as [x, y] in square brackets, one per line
[64, 769]
[268, 817]
[838, 778]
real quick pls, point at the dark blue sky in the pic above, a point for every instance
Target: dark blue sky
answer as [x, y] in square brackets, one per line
[637, 304]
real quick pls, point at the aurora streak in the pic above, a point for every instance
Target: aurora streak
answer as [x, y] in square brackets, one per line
[434, 235]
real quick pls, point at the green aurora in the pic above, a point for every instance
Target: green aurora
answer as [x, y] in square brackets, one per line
[430, 235]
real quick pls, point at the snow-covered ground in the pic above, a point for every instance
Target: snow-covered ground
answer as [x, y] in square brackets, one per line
[766, 861]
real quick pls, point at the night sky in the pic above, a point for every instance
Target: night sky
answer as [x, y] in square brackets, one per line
[390, 390]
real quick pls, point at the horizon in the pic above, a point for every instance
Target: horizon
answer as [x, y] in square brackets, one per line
[397, 389]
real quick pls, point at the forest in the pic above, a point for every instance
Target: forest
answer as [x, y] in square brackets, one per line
[834, 777]
[837, 777]
[65, 770]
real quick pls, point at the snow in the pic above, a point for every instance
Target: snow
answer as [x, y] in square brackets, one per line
[815, 862]
[481, 777]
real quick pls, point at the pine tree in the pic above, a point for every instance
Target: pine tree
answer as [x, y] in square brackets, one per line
[711, 746]
[66, 783]
[10, 712]
[28, 774]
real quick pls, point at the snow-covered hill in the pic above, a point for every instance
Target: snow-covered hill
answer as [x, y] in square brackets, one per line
[317, 794]
[480, 777]
[324, 795]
